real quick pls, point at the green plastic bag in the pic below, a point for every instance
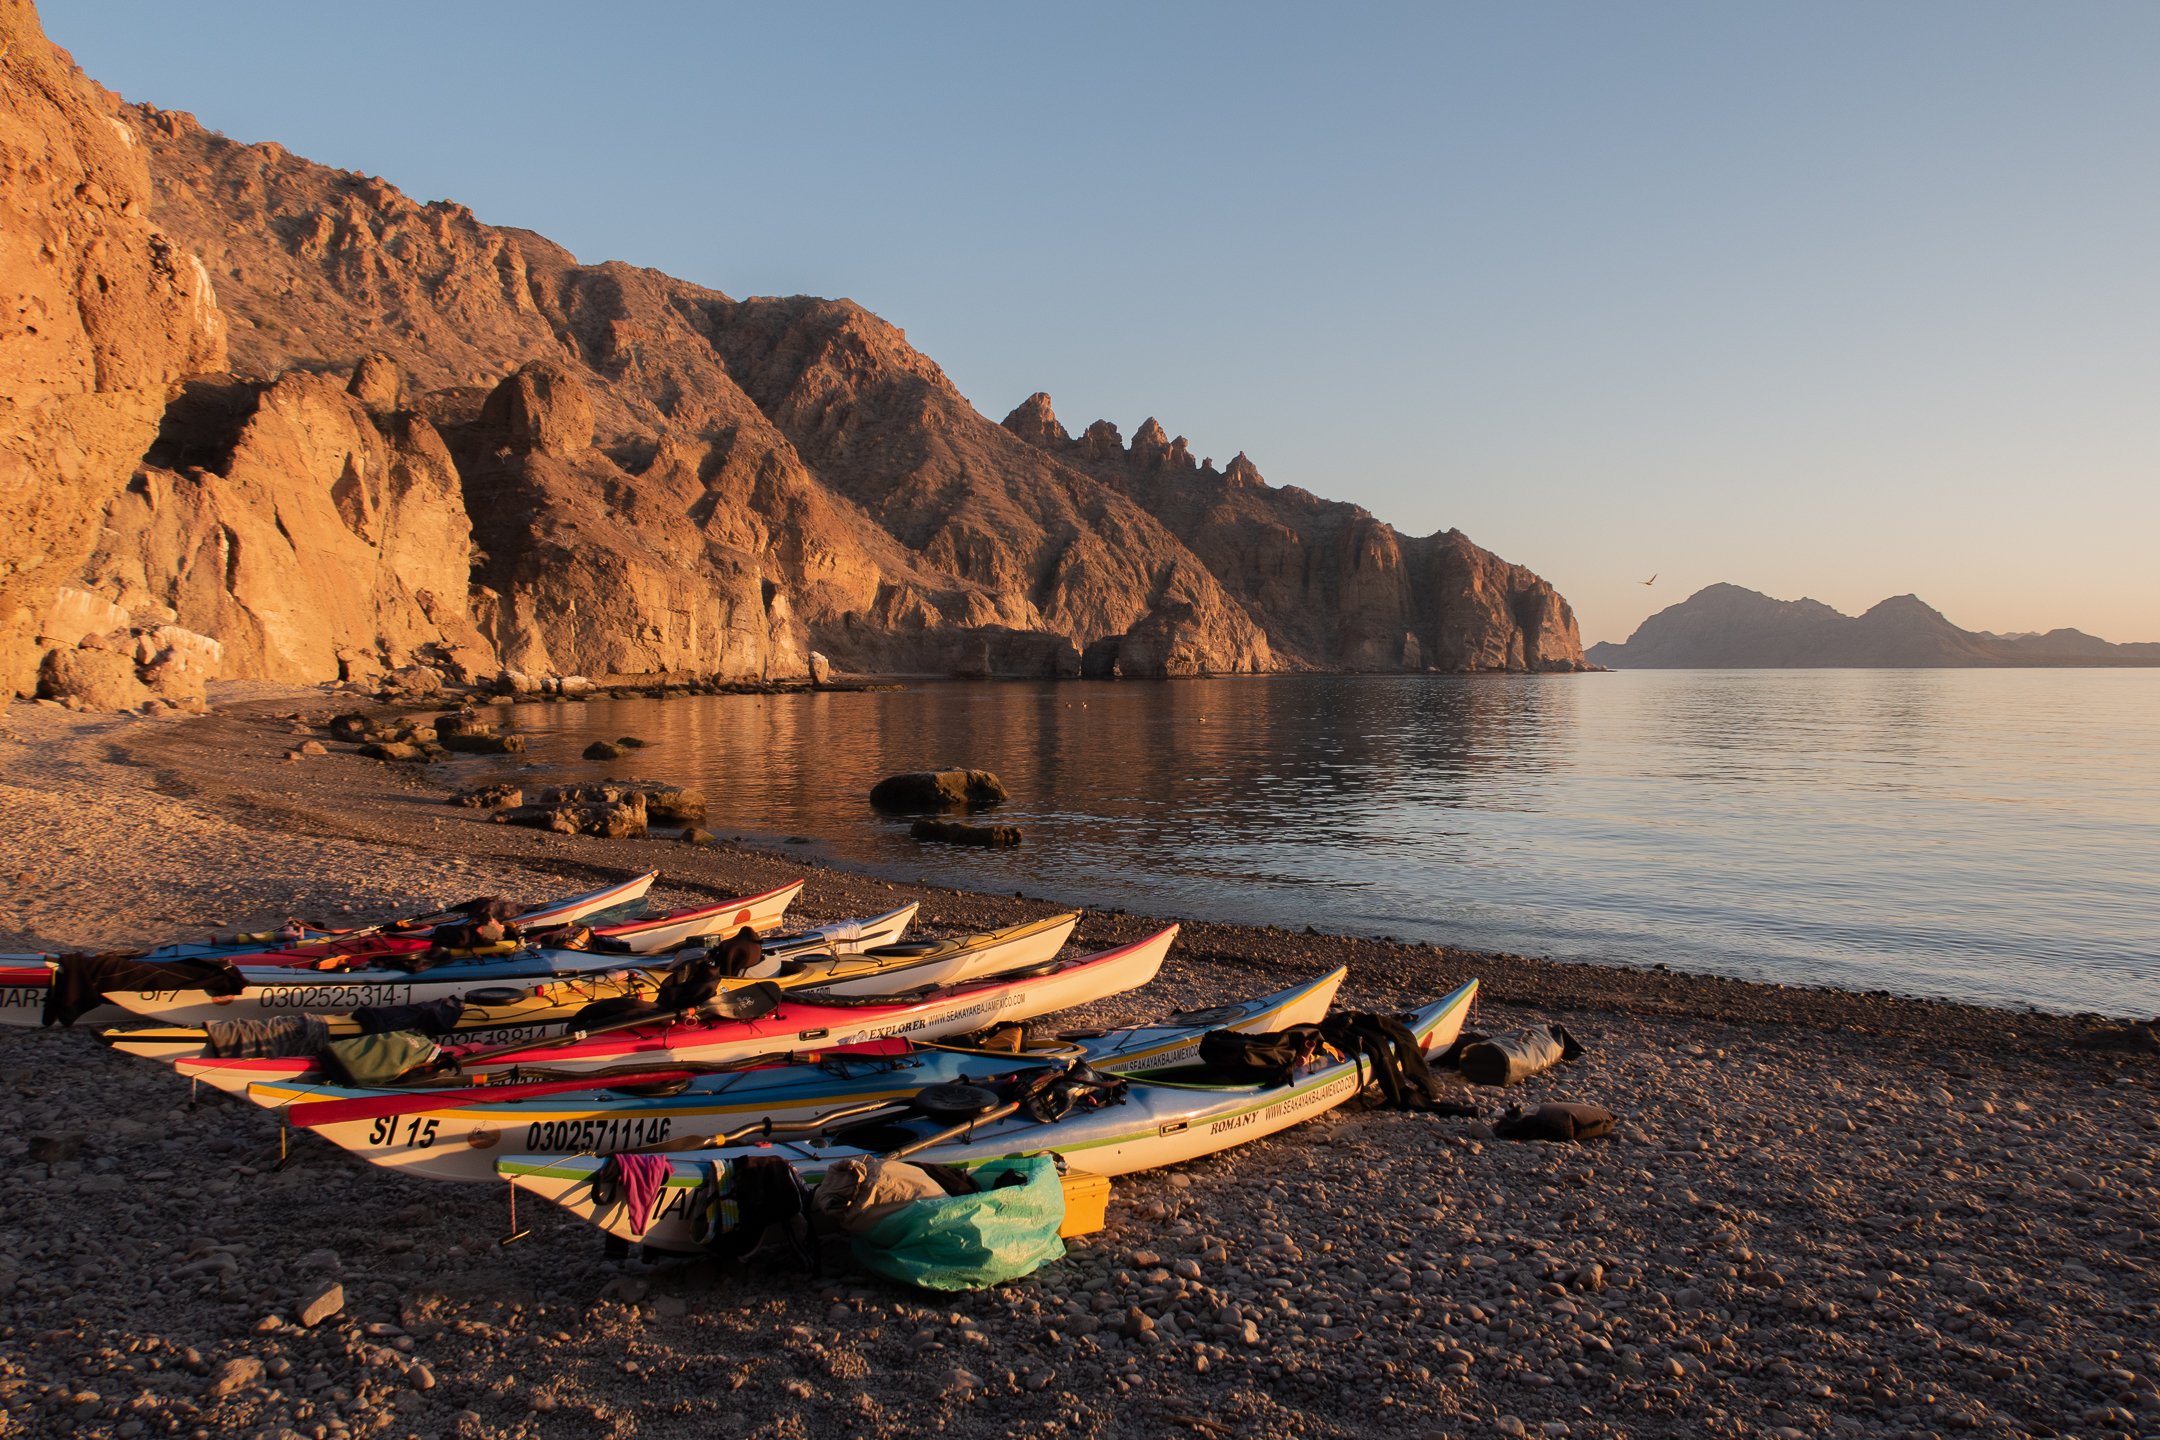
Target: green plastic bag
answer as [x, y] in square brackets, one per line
[379, 1059]
[970, 1242]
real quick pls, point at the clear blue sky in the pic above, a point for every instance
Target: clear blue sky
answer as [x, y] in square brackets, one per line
[1841, 300]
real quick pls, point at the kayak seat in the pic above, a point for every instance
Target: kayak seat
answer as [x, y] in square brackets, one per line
[744, 1002]
[949, 1104]
[494, 995]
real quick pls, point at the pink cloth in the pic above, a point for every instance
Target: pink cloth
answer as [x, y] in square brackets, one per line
[641, 1178]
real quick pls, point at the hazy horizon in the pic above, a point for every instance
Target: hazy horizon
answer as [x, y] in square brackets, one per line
[1835, 302]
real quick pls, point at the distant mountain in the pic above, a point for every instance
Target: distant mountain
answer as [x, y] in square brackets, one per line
[1727, 627]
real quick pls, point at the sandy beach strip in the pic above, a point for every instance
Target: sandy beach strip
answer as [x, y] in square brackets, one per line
[1824, 1213]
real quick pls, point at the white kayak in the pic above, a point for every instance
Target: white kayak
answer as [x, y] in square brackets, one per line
[785, 1020]
[279, 990]
[456, 1134]
[510, 1014]
[1162, 1121]
[26, 979]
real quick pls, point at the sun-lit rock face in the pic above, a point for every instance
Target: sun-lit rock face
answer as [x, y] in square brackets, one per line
[103, 314]
[314, 539]
[446, 443]
[1330, 586]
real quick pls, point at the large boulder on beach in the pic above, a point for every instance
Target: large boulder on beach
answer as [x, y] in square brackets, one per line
[483, 744]
[488, 797]
[412, 682]
[674, 805]
[178, 681]
[938, 790]
[92, 679]
[658, 803]
[609, 819]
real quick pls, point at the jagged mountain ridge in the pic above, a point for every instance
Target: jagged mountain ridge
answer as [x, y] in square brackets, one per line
[634, 475]
[1333, 586]
[812, 393]
[1729, 627]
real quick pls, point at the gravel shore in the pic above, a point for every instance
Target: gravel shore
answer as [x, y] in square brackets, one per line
[1822, 1214]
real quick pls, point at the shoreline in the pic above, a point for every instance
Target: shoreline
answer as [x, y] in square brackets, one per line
[1824, 1211]
[232, 761]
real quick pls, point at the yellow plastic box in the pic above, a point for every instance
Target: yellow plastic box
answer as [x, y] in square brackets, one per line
[1087, 1197]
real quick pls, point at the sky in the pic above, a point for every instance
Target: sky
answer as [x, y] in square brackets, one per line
[1839, 300]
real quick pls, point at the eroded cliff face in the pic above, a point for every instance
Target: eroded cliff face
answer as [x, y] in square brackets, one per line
[804, 439]
[585, 569]
[1041, 547]
[449, 443]
[314, 538]
[1331, 586]
[103, 314]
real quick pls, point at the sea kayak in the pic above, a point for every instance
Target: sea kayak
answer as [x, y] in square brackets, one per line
[772, 1021]
[1161, 1121]
[457, 1134]
[509, 1014]
[26, 979]
[274, 990]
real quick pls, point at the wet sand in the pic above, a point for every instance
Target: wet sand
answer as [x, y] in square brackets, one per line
[1824, 1213]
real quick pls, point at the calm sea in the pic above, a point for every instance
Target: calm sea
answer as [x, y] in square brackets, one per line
[1984, 835]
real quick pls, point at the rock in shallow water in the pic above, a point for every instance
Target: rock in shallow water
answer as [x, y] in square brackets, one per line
[938, 790]
[954, 832]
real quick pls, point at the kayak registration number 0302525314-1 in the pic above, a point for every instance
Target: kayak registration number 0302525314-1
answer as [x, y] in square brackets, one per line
[334, 997]
[305, 997]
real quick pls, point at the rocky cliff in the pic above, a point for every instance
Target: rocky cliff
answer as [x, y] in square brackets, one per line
[1728, 627]
[1331, 586]
[798, 444]
[446, 443]
[104, 313]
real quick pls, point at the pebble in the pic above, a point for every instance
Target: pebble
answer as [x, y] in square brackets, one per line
[321, 1303]
[233, 1376]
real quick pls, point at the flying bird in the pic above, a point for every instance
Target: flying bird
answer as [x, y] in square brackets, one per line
[1653, 579]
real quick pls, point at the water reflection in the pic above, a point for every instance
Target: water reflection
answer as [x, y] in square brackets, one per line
[1983, 834]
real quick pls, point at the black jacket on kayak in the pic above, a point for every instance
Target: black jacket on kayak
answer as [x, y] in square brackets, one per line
[80, 982]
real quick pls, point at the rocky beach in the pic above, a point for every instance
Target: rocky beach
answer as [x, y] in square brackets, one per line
[1822, 1213]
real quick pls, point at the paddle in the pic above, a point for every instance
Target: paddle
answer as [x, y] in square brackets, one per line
[768, 1127]
[816, 1124]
